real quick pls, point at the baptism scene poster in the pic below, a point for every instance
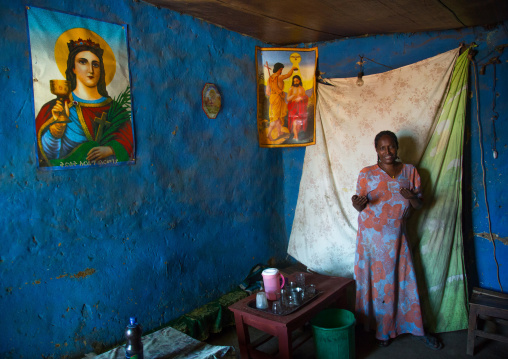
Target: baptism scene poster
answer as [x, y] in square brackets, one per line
[286, 96]
[81, 88]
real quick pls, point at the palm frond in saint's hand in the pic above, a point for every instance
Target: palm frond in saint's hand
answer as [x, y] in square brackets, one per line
[118, 114]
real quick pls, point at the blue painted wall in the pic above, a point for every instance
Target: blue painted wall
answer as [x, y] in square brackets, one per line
[338, 59]
[82, 250]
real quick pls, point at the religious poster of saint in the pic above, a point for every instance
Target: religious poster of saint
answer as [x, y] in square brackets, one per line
[286, 96]
[81, 87]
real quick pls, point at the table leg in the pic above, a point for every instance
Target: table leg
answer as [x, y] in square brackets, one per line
[285, 343]
[473, 315]
[242, 331]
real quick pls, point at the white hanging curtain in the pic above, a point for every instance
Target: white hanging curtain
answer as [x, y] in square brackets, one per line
[408, 101]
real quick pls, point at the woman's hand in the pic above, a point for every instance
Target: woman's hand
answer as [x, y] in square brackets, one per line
[407, 193]
[98, 153]
[58, 129]
[413, 198]
[359, 202]
[59, 109]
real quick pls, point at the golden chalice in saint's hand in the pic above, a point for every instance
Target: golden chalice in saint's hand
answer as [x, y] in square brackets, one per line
[61, 89]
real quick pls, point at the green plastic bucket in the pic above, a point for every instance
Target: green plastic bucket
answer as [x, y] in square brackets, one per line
[334, 334]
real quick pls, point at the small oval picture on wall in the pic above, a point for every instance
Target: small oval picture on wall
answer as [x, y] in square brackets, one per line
[211, 100]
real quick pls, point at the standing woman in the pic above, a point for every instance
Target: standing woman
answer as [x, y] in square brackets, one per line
[386, 291]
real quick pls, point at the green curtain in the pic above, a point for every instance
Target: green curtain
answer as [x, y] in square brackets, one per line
[439, 258]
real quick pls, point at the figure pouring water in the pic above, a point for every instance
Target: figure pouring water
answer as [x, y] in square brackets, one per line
[276, 94]
[296, 106]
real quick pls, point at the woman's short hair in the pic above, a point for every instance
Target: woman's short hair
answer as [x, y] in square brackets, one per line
[386, 133]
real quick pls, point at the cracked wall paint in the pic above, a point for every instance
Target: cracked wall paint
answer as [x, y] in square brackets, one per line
[495, 237]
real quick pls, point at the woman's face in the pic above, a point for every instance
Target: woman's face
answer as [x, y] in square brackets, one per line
[386, 150]
[87, 68]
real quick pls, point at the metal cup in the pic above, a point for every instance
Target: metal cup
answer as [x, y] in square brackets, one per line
[284, 297]
[277, 307]
[298, 293]
[292, 299]
[62, 90]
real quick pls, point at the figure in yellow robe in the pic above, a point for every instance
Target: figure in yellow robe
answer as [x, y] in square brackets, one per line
[278, 106]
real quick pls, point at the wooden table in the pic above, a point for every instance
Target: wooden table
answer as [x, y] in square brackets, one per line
[489, 304]
[334, 294]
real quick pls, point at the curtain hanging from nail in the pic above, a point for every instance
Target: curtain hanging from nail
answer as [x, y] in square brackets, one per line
[424, 105]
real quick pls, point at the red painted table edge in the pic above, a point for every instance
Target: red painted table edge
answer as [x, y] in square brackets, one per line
[334, 289]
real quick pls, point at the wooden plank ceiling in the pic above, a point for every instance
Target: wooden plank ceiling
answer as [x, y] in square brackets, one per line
[290, 22]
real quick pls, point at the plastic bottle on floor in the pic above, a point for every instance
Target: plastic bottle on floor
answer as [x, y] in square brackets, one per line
[134, 346]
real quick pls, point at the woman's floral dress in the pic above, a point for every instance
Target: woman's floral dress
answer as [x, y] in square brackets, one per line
[386, 291]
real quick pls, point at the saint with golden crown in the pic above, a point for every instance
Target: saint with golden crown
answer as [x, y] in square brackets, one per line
[87, 126]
